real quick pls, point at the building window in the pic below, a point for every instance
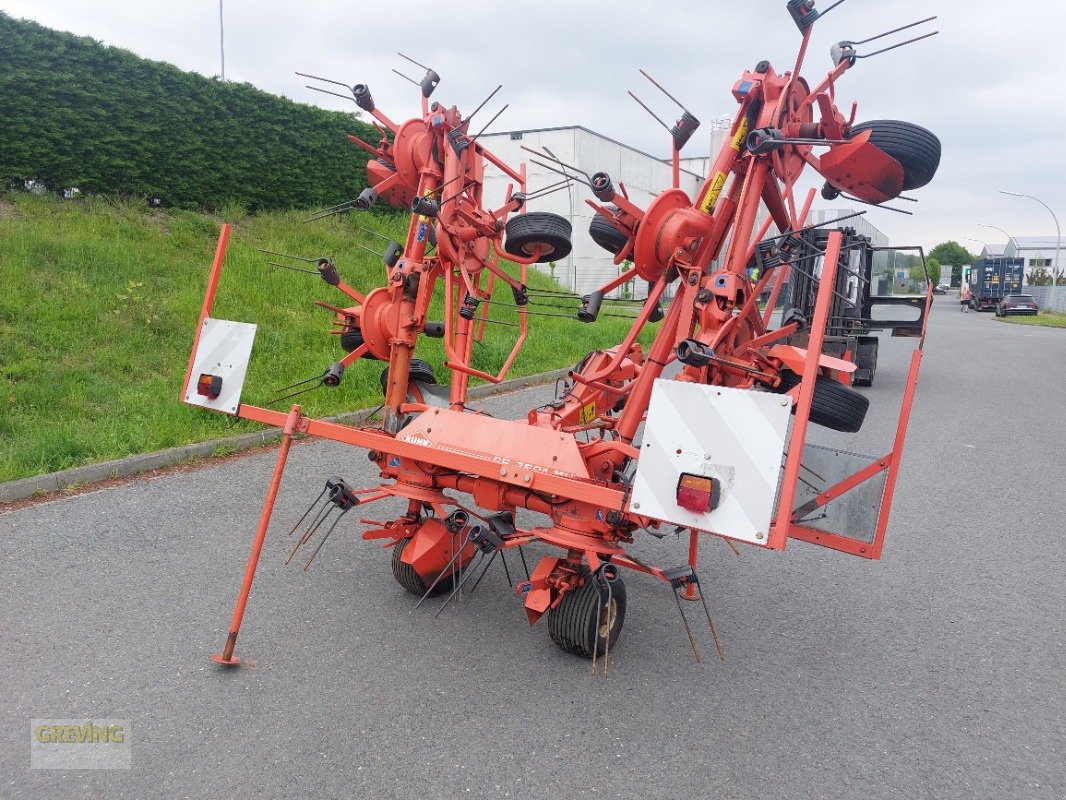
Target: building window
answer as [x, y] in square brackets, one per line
[1039, 262]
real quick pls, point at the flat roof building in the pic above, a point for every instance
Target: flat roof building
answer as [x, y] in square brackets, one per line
[1036, 251]
[589, 266]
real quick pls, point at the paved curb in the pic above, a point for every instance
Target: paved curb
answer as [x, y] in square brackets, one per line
[131, 465]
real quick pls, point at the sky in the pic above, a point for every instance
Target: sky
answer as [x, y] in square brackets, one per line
[989, 85]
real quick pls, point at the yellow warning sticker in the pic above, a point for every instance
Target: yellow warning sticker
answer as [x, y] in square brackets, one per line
[742, 133]
[587, 413]
[718, 181]
[709, 199]
[427, 194]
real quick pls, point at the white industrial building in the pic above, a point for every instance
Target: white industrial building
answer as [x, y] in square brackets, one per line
[1035, 251]
[992, 251]
[589, 266]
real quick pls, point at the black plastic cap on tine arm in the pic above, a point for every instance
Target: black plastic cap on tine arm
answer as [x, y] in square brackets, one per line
[683, 129]
[803, 13]
[590, 306]
[429, 83]
[328, 271]
[363, 98]
[603, 187]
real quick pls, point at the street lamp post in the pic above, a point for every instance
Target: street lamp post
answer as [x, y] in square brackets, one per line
[1010, 238]
[1058, 240]
[221, 41]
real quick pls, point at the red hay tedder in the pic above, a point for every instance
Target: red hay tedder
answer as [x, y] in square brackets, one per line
[704, 432]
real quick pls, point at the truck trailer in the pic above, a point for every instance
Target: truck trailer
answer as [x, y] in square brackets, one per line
[992, 279]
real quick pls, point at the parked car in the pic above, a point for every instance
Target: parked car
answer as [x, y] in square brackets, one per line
[1016, 304]
[941, 288]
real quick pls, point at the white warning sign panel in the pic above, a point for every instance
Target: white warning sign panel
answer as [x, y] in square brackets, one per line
[220, 364]
[734, 436]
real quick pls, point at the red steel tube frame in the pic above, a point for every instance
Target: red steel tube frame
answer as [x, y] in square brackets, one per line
[226, 657]
[209, 300]
[369, 439]
[779, 527]
[454, 360]
[891, 462]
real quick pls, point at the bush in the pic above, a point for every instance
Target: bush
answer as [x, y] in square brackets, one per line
[77, 113]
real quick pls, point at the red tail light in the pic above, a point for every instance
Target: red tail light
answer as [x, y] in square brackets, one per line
[209, 386]
[698, 493]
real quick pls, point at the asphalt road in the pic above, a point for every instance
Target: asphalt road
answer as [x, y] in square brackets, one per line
[936, 672]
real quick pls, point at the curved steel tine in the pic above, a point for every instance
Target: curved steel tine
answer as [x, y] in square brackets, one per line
[326, 536]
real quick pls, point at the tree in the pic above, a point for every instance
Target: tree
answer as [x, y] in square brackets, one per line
[955, 255]
[1042, 276]
[1038, 277]
[917, 274]
[934, 270]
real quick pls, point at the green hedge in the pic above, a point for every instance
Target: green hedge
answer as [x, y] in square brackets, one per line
[76, 113]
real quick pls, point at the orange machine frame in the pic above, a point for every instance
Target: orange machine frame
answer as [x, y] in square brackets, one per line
[539, 463]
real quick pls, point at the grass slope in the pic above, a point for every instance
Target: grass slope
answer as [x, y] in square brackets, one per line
[98, 301]
[1045, 319]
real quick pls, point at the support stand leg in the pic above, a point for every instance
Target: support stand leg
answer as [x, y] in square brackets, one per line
[226, 657]
[693, 552]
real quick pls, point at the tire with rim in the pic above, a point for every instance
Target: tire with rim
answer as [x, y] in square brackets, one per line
[833, 405]
[409, 579]
[607, 235]
[419, 371]
[579, 623]
[916, 149]
[550, 232]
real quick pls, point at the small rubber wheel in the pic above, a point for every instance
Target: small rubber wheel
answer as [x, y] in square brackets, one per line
[833, 405]
[409, 579]
[351, 339]
[419, 370]
[579, 623]
[550, 232]
[607, 235]
[916, 149]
